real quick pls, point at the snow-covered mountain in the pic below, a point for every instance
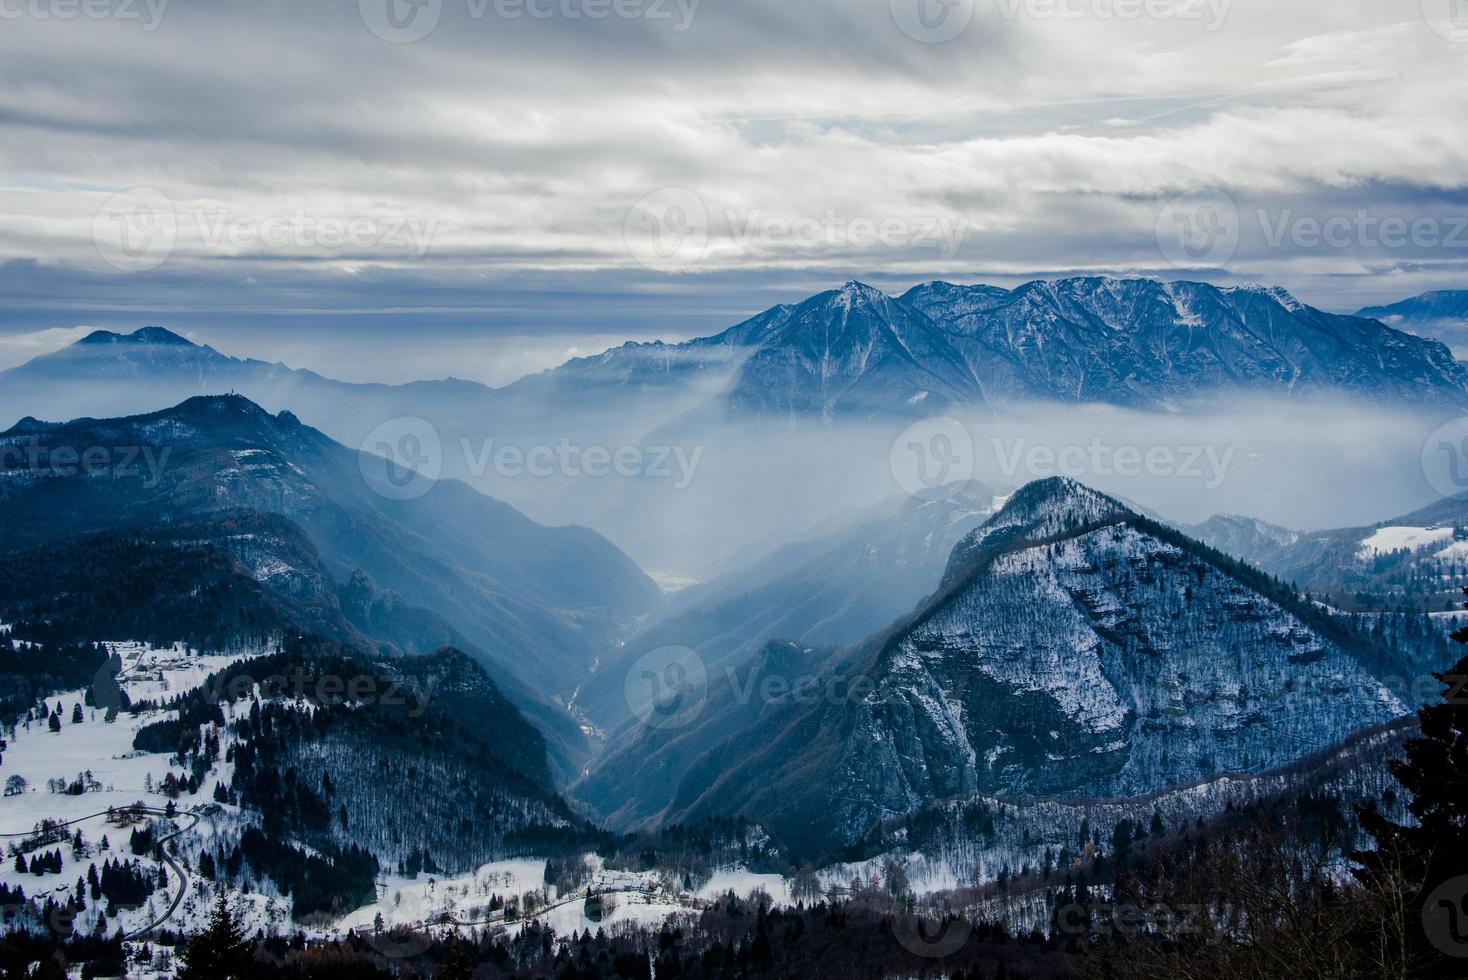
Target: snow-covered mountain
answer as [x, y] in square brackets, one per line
[833, 587]
[847, 352]
[778, 617]
[1150, 344]
[1415, 561]
[540, 604]
[1442, 314]
[1076, 649]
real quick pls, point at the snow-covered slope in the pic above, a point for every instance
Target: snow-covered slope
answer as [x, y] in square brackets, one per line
[1077, 649]
[1415, 561]
[1442, 314]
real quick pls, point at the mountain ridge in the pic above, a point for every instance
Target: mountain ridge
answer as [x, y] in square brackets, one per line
[1078, 650]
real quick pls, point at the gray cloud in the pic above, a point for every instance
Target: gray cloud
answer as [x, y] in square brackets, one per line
[1040, 140]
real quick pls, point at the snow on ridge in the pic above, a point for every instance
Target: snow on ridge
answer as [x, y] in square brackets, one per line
[1385, 540]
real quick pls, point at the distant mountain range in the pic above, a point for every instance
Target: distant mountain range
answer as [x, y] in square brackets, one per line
[1075, 649]
[1418, 561]
[1141, 343]
[852, 352]
[1442, 314]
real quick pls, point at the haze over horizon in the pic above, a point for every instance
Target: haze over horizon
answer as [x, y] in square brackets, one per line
[685, 165]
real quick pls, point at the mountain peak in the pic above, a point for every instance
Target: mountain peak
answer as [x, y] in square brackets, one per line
[153, 336]
[1061, 498]
[1278, 294]
[218, 405]
[1042, 510]
[855, 293]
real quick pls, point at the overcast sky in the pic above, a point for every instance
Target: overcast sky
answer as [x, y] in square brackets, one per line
[478, 187]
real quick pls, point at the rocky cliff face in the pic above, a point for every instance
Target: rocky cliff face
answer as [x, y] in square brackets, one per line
[1076, 649]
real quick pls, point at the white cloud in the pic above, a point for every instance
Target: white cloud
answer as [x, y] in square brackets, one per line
[17, 348]
[523, 142]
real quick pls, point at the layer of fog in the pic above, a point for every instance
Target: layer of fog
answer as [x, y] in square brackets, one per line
[757, 484]
[686, 495]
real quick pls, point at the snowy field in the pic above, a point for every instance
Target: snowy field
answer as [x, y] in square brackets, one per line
[1384, 541]
[99, 754]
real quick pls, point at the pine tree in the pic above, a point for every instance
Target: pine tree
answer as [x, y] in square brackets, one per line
[459, 963]
[220, 952]
[1422, 870]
